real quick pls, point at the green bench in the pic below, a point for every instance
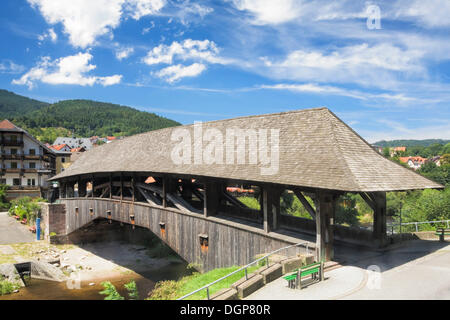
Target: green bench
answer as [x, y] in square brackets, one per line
[441, 232]
[314, 269]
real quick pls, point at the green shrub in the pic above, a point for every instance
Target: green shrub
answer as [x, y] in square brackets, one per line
[25, 207]
[110, 291]
[131, 287]
[7, 287]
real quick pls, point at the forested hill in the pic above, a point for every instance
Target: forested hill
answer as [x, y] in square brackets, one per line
[13, 105]
[87, 118]
[410, 143]
[83, 118]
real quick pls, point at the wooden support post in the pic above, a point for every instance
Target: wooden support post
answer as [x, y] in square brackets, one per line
[133, 194]
[62, 190]
[93, 186]
[276, 210]
[211, 199]
[110, 186]
[81, 188]
[379, 218]
[165, 182]
[121, 186]
[186, 192]
[325, 209]
[270, 208]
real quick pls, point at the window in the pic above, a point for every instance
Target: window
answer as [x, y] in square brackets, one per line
[13, 165]
[63, 159]
[13, 138]
[16, 182]
[13, 151]
[2, 181]
[31, 182]
[32, 152]
[32, 165]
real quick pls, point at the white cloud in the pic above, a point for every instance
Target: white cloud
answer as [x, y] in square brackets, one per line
[86, 20]
[374, 65]
[50, 34]
[430, 13]
[187, 11]
[7, 66]
[140, 8]
[67, 70]
[124, 53]
[269, 11]
[187, 50]
[313, 88]
[177, 72]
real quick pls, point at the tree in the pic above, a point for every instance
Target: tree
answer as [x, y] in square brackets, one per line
[445, 159]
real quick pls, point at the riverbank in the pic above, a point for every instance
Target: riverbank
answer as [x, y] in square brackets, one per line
[86, 266]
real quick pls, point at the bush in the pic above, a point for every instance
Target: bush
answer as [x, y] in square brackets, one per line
[110, 291]
[25, 208]
[7, 287]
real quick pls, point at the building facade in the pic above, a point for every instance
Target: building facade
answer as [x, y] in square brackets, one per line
[26, 163]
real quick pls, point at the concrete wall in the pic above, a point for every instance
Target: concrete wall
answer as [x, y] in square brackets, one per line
[229, 243]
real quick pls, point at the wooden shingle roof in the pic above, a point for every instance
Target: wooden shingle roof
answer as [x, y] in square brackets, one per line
[316, 150]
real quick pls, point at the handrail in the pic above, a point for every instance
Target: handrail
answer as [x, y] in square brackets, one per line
[243, 268]
[416, 223]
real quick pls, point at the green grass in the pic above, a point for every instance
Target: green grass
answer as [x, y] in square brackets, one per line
[250, 202]
[171, 290]
[7, 287]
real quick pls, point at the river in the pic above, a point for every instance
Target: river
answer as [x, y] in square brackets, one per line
[50, 290]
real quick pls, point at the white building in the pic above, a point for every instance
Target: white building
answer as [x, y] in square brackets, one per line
[26, 163]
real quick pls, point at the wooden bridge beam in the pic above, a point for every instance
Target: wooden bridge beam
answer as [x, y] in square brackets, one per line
[305, 203]
[211, 199]
[62, 190]
[270, 206]
[379, 218]
[325, 203]
[81, 188]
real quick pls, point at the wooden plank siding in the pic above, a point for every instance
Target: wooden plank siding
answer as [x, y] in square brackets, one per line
[229, 242]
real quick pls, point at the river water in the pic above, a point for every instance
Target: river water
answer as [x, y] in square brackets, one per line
[50, 290]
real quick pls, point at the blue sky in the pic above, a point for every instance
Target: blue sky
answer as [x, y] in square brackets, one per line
[388, 78]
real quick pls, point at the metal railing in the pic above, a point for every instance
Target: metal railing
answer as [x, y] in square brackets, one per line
[266, 257]
[416, 224]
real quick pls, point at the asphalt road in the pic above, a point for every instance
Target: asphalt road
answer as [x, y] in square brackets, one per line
[12, 231]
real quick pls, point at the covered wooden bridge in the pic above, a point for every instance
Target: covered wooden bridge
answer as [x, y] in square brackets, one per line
[174, 182]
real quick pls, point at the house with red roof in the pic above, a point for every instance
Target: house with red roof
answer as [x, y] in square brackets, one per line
[413, 162]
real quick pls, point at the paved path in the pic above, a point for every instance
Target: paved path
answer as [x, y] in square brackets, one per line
[12, 231]
[417, 270]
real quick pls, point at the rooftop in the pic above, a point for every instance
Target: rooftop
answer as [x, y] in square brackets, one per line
[316, 150]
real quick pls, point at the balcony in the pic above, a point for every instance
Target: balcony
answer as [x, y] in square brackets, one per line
[12, 143]
[11, 170]
[33, 157]
[12, 156]
[13, 188]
